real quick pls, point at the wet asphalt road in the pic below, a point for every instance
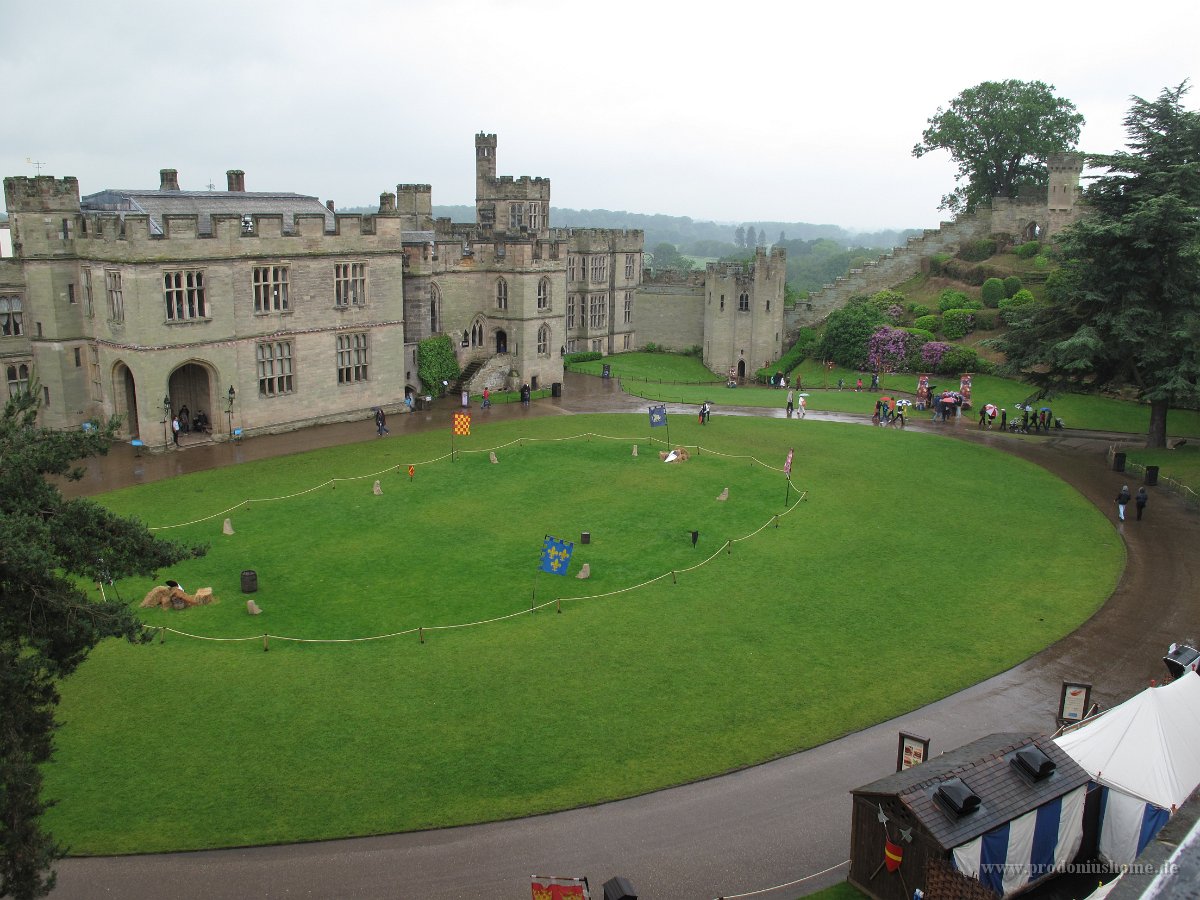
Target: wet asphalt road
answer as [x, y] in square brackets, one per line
[769, 825]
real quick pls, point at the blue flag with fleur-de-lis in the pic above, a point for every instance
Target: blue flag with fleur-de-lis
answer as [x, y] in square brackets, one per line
[556, 555]
[658, 416]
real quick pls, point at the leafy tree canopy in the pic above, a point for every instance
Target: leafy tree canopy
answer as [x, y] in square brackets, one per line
[999, 134]
[50, 548]
[1125, 310]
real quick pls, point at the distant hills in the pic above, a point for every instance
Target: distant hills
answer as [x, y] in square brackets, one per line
[817, 254]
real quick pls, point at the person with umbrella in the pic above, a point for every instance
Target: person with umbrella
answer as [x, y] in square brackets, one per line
[901, 408]
[802, 401]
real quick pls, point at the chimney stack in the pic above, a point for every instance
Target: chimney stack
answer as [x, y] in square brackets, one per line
[168, 180]
[236, 179]
[329, 205]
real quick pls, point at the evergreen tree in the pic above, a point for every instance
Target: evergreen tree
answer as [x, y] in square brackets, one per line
[1126, 305]
[739, 236]
[49, 549]
[751, 237]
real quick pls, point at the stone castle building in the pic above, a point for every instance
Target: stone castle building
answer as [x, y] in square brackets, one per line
[271, 311]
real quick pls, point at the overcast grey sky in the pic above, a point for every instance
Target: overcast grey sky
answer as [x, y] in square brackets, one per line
[759, 111]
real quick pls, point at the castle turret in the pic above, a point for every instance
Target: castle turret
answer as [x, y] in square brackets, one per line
[1062, 199]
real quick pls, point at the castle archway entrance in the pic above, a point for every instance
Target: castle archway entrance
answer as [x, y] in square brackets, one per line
[741, 369]
[190, 389]
[125, 401]
[501, 341]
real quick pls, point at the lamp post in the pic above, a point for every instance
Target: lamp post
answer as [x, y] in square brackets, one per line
[167, 419]
[230, 397]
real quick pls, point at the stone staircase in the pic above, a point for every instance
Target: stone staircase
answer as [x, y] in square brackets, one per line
[465, 376]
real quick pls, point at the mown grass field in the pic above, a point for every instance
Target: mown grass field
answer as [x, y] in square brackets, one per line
[905, 542]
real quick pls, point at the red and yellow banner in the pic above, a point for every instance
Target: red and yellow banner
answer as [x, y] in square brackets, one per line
[559, 889]
[462, 423]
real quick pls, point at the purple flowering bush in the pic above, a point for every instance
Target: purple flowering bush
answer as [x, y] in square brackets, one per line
[887, 349]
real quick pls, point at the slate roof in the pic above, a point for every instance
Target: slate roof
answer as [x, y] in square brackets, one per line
[205, 204]
[984, 766]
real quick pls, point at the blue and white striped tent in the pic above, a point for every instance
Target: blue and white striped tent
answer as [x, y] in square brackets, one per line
[1027, 848]
[1144, 754]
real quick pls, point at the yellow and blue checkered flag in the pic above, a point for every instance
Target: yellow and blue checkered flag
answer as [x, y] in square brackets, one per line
[556, 555]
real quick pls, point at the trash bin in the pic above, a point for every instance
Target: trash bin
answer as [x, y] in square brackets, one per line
[1118, 462]
[1152, 475]
[619, 888]
[249, 581]
[556, 389]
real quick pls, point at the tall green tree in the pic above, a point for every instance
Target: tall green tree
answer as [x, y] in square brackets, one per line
[1125, 310]
[999, 134]
[52, 550]
[739, 236]
[751, 237]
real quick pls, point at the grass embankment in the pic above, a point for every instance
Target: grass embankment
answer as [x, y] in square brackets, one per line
[195, 743]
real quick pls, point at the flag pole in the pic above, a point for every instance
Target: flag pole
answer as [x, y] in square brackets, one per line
[788, 492]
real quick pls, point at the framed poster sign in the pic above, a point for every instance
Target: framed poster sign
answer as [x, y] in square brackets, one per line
[1074, 702]
[912, 751]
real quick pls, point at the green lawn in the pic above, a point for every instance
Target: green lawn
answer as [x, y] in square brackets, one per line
[195, 743]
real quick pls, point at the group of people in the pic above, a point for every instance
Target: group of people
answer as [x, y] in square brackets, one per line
[1124, 497]
[888, 411]
[793, 400]
[183, 422]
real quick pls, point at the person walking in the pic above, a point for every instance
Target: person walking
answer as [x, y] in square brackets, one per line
[487, 398]
[175, 430]
[803, 406]
[380, 422]
[1003, 419]
[1141, 500]
[858, 385]
[790, 406]
[1122, 502]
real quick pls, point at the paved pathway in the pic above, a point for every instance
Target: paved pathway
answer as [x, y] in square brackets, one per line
[768, 825]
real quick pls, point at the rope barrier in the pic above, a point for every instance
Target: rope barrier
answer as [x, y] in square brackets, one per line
[785, 884]
[420, 630]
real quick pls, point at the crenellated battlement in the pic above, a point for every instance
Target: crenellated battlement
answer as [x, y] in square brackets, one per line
[43, 193]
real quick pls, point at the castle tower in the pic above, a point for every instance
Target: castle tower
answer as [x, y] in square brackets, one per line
[1062, 198]
[519, 207]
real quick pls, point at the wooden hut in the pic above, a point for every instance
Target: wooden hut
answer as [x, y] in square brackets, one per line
[986, 820]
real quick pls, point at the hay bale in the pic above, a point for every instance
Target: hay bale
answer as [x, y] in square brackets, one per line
[586, 571]
[724, 495]
[378, 489]
[252, 608]
[227, 528]
[158, 596]
[204, 596]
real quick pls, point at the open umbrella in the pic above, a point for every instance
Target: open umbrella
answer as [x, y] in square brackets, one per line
[802, 395]
[904, 403]
[990, 409]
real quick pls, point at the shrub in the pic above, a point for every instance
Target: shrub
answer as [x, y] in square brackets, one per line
[582, 356]
[1019, 300]
[957, 323]
[887, 349]
[652, 347]
[919, 309]
[928, 323]
[1028, 250]
[962, 359]
[977, 251]
[951, 299]
[696, 350]
[987, 319]
[937, 263]
[992, 292]
[883, 300]
[436, 363]
[847, 331]
[1012, 284]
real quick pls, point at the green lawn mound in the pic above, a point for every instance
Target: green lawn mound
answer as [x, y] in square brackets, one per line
[915, 566]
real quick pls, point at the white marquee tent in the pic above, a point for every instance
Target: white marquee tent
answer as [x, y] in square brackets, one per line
[1146, 753]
